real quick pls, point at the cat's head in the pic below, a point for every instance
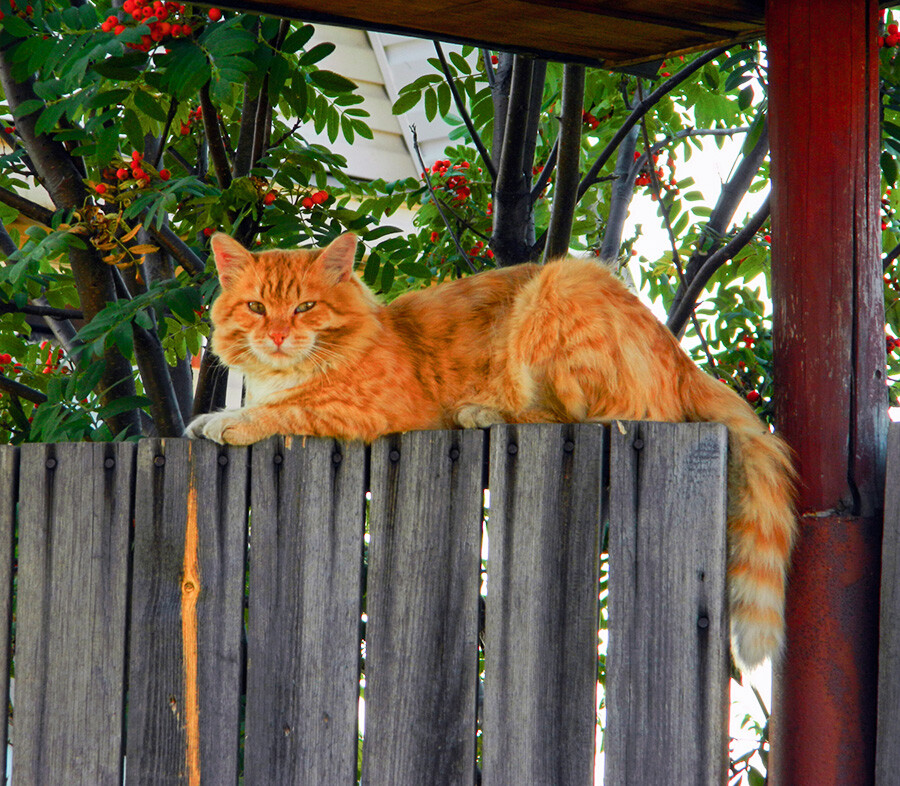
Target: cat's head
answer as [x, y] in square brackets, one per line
[297, 310]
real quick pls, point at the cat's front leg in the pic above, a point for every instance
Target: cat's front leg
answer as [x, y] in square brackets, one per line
[477, 416]
[228, 427]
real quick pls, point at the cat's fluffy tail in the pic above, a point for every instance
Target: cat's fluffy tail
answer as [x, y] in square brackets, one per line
[761, 521]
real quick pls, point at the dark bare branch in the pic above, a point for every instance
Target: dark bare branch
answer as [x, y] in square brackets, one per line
[678, 316]
[640, 110]
[564, 197]
[461, 108]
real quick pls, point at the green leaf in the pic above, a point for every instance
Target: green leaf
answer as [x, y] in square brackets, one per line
[889, 168]
[430, 104]
[330, 82]
[124, 404]
[405, 102]
[317, 53]
[373, 266]
[16, 27]
[415, 269]
[387, 277]
[149, 106]
[298, 39]
[132, 127]
[27, 107]
[107, 98]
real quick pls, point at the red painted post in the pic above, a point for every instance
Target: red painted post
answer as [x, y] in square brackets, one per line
[831, 400]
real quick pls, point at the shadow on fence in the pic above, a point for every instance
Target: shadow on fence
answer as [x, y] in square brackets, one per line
[205, 613]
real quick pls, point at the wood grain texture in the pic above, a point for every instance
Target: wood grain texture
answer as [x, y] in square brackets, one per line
[542, 608]
[303, 639]
[887, 762]
[667, 664]
[9, 495]
[423, 594]
[74, 518]
[158, 704]
[598, 32]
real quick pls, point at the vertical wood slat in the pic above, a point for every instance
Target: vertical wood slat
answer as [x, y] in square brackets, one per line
[667, 664]
[423, 595]
[160, 704]
[887, 760]
[542, 604]
[74, 518]
[9, 483]
[303, 639]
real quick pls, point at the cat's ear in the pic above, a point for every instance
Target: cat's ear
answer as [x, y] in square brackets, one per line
[338, 258]
[231, 257]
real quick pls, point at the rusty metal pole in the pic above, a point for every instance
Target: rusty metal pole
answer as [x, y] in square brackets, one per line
[831, 400]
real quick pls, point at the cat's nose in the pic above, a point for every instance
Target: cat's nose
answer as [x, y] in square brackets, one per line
[278, 337]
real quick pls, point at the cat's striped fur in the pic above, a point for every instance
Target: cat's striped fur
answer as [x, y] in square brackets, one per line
[564, 342]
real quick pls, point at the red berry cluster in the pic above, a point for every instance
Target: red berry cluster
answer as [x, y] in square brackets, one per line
[24, 14]
[5, 359]
[892, 343]
[310, 201]
[457, 183]
[165, 19]
[128, 171]
[194, 115]
[589, 120]
[477, 249]
[886, 209]
[645, 179]
[892, 37]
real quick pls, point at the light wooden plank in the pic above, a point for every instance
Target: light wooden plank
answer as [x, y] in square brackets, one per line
[668, 662]
[422, 631]
[542, 610]
[74, 518]
[186, 666]
[303, 639]
[887, 760]
[9, 494]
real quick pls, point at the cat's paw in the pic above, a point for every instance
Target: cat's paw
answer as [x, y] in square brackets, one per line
[194, 429]
[228, 427]
[477, 416]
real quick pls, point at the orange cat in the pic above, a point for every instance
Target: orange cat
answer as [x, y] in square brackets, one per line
[566, 342]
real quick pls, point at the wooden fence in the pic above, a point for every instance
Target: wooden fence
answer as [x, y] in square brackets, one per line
[184, 612]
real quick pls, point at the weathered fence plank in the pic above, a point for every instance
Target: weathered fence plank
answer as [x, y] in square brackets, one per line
[667, 665]
[303, 639]
[187, 677]
[9, 482]
[542, 607]
[187, 613]
[887, 761]
[423, 587]
[74, 516]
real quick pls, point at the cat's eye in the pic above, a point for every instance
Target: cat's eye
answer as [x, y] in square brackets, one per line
[304, 306]
[256, 307]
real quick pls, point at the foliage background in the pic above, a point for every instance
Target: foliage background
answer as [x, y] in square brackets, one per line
[152, 124]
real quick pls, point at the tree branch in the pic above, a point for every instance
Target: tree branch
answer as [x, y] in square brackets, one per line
[180, 251]
[62, 179]
[437, 202]
[461, 108]
[562, 212]
[40, 311]
[620, 198]
[640, 110]
[678, 316]
[723, 213]
[26, 207]
[20, 390]
[214, 140]
[513, 188]
[666, 211]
